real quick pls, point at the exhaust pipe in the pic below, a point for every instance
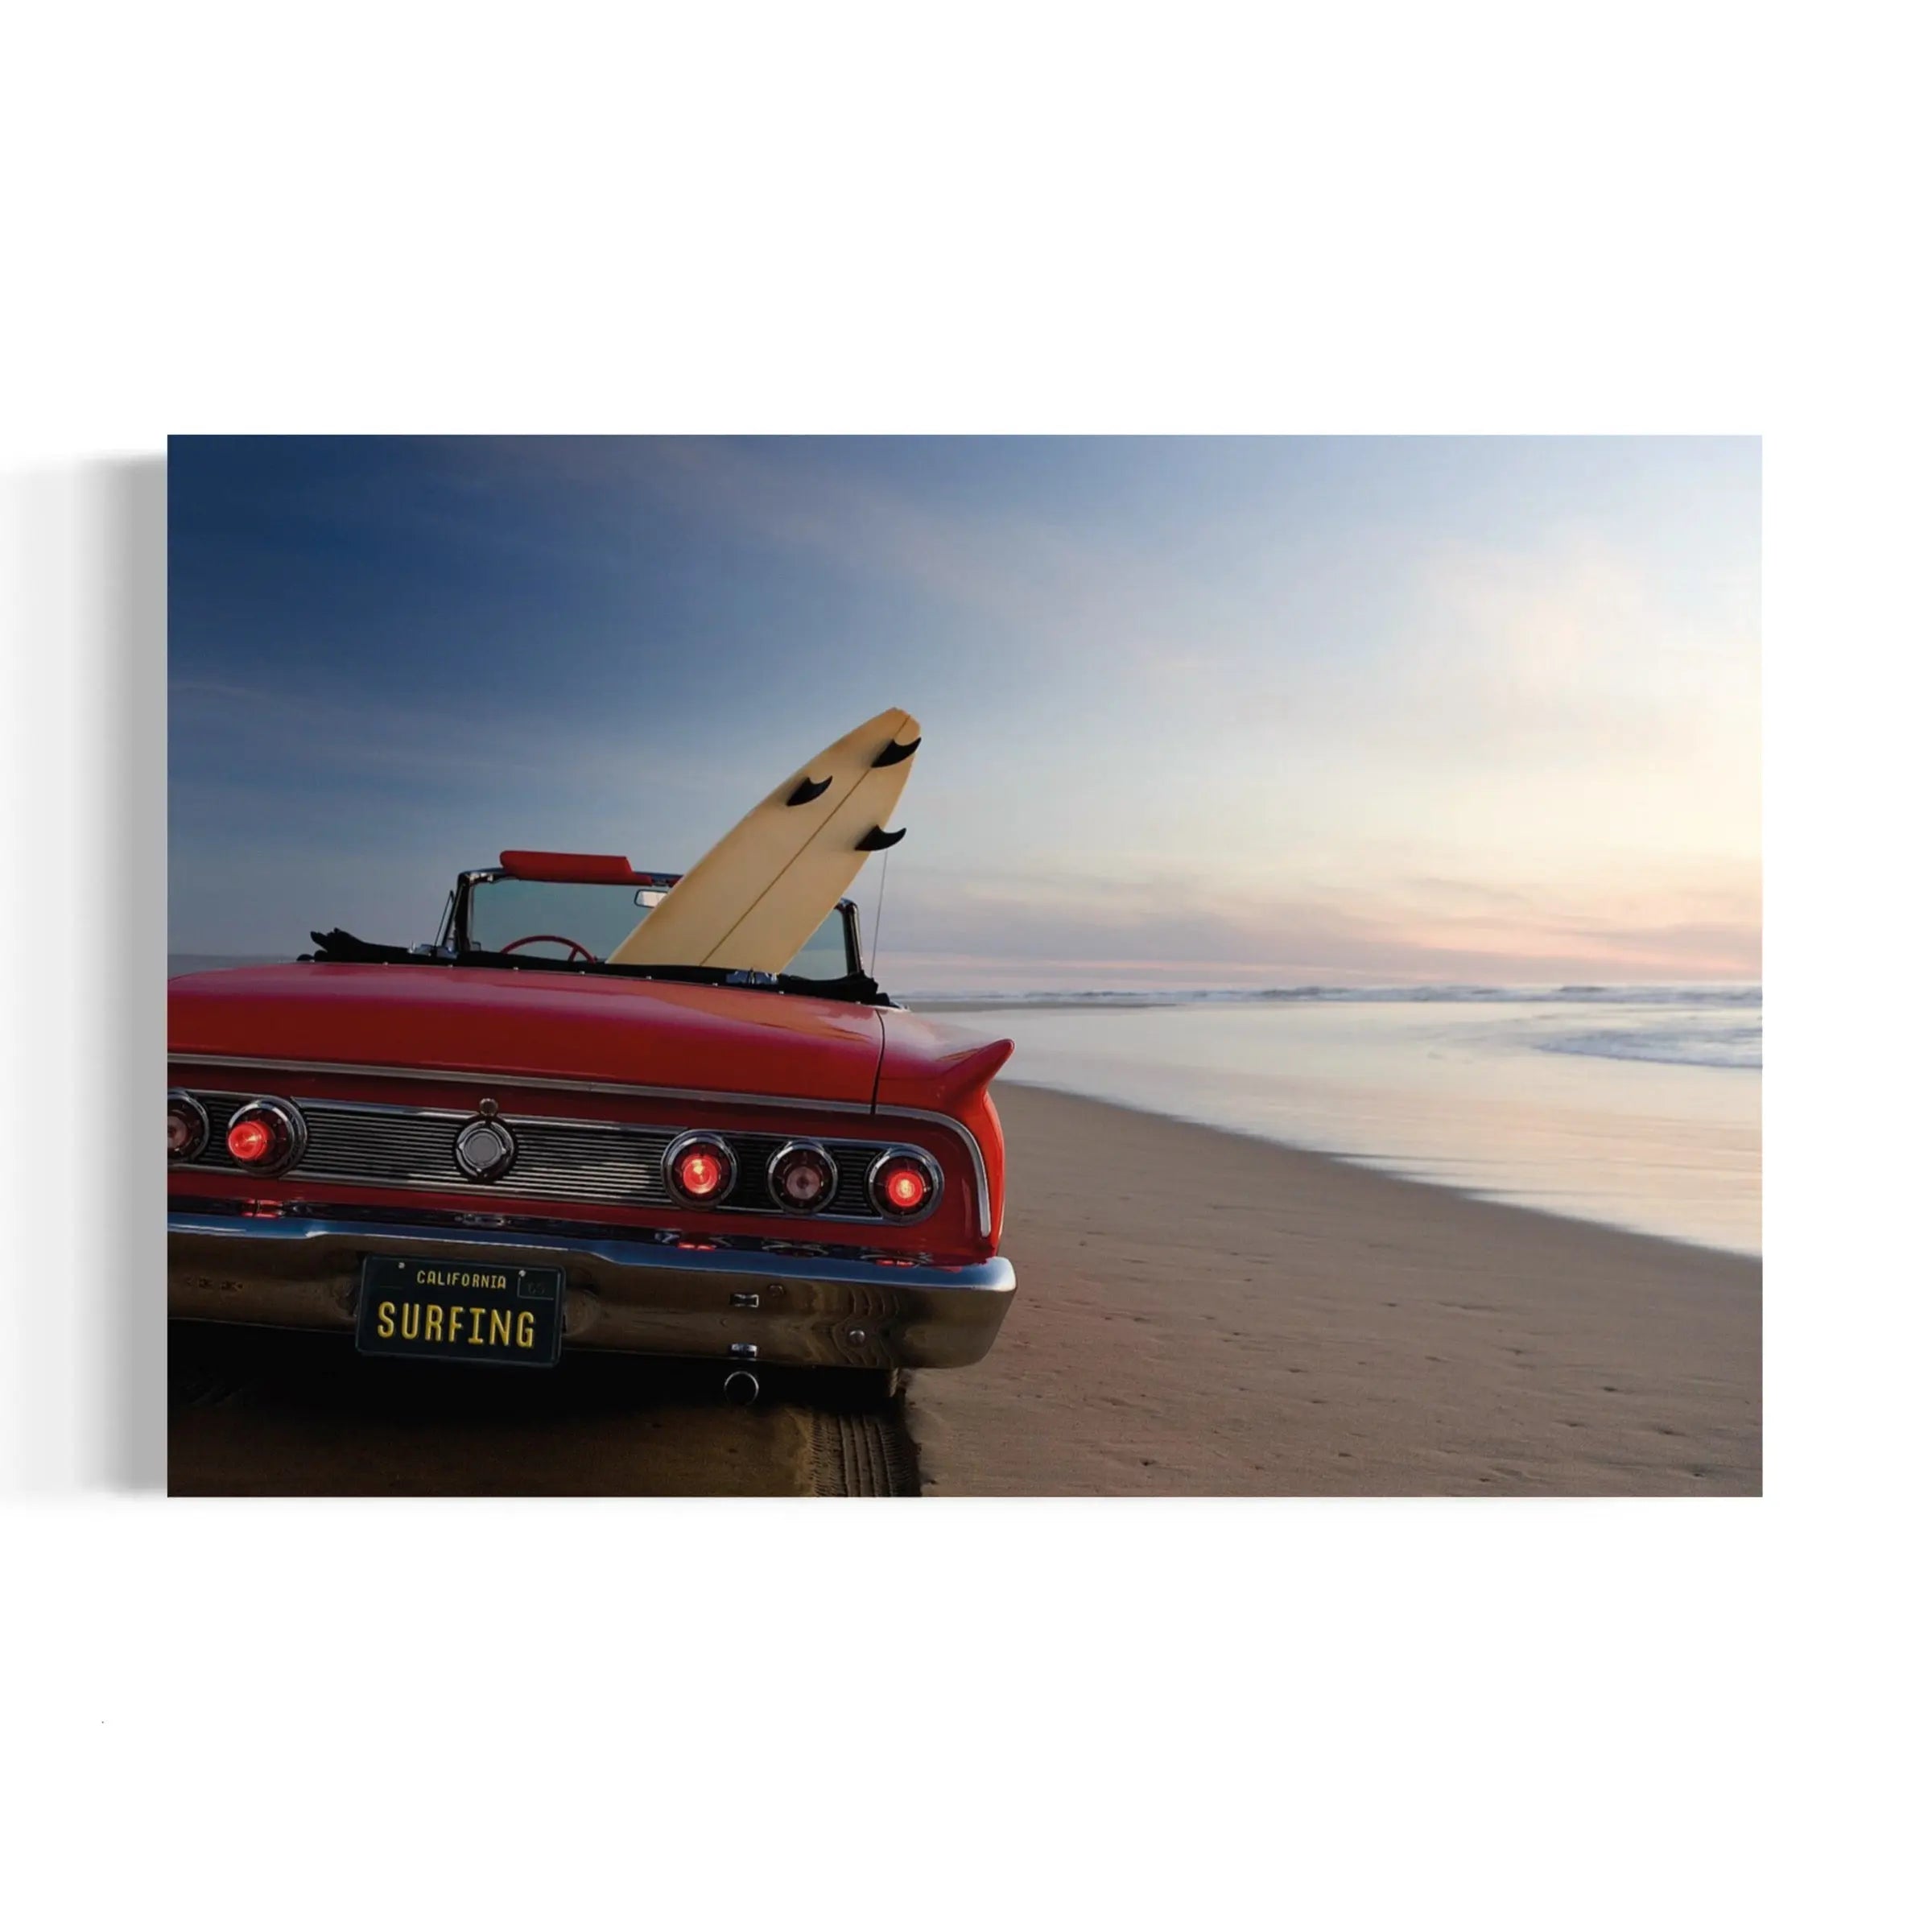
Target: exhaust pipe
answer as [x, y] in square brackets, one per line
[740, 1388]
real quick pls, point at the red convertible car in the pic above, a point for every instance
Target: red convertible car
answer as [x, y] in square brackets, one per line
[495, 1146]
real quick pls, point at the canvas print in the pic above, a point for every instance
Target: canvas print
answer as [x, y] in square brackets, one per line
[935, 966]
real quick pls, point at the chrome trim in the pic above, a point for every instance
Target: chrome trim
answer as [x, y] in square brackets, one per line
[921, 1157]
[784, 1200]
[620, 1090]
[536, 1172]
[668, 1160]
[481, 1127]
[646, 1296]
[295, 1128]
[526, 1176]
[179, 1096]
[489, 1110]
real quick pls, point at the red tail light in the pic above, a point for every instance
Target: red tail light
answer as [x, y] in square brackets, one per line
[267, 1136]
[699, 1168]
[187, 1127]
[904, 1185]
[802, 1177]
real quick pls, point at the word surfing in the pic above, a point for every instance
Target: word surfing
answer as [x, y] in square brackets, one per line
[432, 1322]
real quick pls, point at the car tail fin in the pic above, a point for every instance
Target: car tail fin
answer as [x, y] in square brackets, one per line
[973, 1072]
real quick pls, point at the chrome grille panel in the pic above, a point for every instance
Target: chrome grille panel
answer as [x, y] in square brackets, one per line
[609, 1165]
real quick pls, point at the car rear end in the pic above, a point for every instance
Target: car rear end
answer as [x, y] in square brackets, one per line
[605, 1174]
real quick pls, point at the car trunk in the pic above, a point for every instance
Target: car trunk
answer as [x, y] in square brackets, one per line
[541, 1024]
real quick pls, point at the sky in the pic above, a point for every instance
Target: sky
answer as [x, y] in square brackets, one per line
[1211, 712]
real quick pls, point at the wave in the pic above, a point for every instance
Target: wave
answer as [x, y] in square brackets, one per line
[1741, 1047]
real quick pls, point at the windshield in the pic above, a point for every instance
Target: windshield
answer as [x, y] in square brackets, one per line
[563, 921]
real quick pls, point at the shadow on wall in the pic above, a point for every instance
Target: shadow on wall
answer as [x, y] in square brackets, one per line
[86, 571]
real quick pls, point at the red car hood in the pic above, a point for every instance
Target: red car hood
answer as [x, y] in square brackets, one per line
[648, 1032]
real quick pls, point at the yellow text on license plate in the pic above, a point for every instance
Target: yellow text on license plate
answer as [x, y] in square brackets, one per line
[451, 1306]
[479, 1325]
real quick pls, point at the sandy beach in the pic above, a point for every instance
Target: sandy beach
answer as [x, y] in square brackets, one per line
[1202, 1314]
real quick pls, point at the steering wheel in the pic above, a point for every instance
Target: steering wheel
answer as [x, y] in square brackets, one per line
[556, 938]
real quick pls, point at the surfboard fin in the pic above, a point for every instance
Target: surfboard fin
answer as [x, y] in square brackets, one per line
[761, 891]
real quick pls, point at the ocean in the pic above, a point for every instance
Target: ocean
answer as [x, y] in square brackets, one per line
[1637, 1106]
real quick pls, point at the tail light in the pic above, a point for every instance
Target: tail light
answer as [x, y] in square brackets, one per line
[802, 1177]
[699, 1169]
[904, 1184]
[187, 1126]
[267, 1136]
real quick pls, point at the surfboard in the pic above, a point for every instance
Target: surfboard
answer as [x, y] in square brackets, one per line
[754, 899]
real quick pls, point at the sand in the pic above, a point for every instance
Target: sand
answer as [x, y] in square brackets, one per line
[1200, 1313]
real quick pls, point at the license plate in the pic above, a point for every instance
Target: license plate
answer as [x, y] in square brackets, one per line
[458, 1312]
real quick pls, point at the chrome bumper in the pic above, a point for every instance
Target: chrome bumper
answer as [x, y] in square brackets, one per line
[818, 1310]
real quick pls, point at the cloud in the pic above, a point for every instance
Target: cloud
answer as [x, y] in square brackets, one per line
[1173, 931]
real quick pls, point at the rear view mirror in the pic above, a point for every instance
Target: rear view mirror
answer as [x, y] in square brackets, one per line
[647, 897]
